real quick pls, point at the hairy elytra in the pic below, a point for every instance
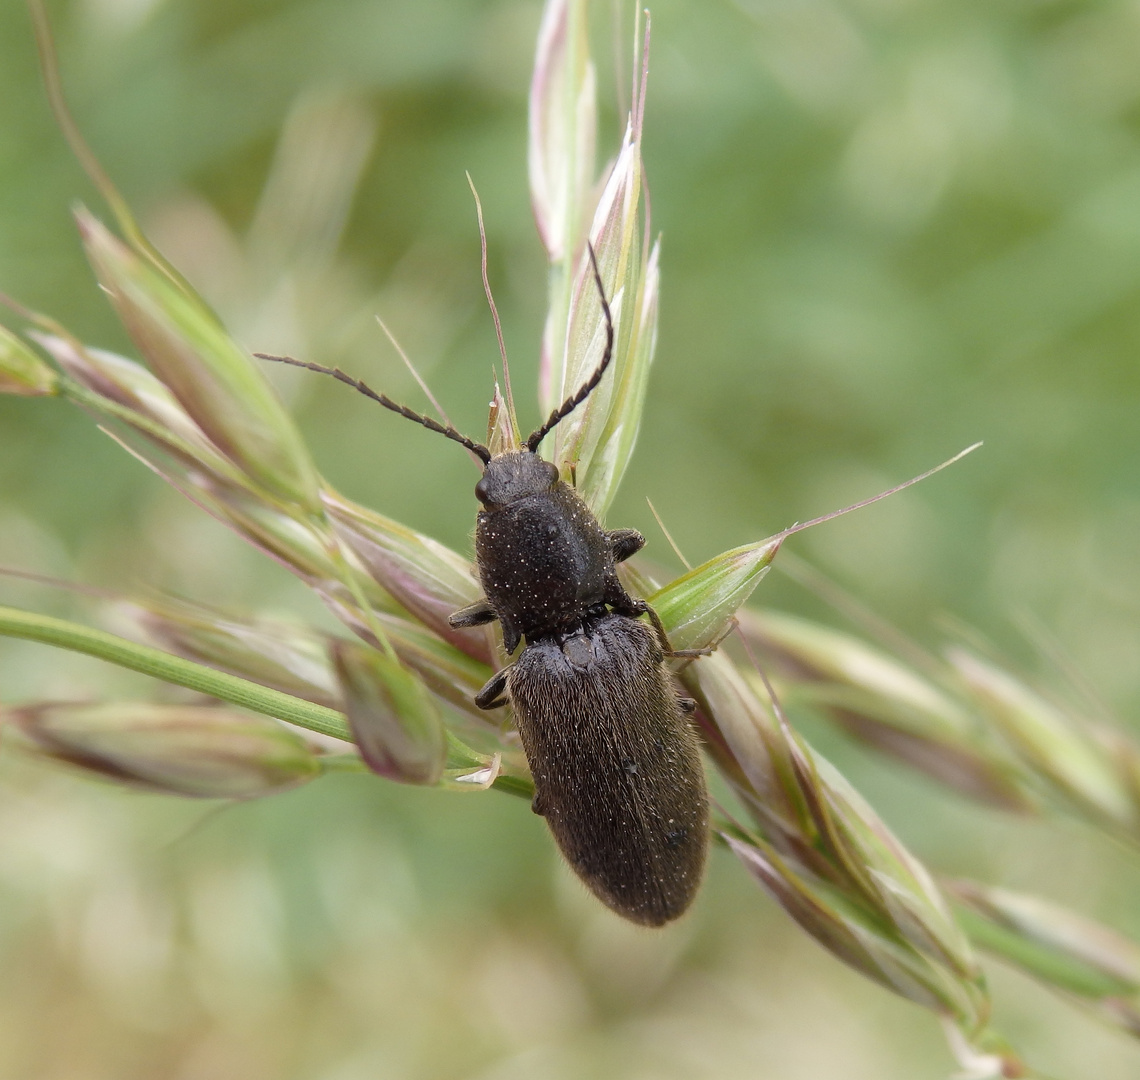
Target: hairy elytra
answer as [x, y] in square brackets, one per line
[616, 763]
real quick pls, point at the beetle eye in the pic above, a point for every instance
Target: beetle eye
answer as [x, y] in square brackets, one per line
[481, 490]
[552, 472]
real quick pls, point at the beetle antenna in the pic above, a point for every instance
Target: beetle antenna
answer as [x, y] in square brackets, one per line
[478, 449]
[583, 392]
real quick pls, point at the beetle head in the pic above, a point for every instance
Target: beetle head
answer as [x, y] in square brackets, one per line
[514, 475]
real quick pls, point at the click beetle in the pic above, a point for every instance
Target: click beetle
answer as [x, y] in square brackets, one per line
[615, 760]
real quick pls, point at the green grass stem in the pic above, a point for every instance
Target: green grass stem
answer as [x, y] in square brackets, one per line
[172, 669]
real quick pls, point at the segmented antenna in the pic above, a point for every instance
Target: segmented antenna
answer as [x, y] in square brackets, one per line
[583, 392]
[478, 449]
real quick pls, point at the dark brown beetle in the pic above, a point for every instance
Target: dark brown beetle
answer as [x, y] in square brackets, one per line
[616, 764]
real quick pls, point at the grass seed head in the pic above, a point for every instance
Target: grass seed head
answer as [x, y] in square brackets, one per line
[217, 383]
[394, 720]
[22, 371]
[200, 751]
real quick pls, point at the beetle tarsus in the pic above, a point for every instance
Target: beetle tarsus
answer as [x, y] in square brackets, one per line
[493, 695]
[477, 614]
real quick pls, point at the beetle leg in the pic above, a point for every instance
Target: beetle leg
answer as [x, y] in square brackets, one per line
[616, 596]
[511, 636]
[688, 705]
[492, 695]
[479, 614]
[476, 614]
[625, 542]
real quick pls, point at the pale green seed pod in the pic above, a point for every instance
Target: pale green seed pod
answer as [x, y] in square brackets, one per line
[1064, 951]
[826, 856]
[216, 382]
[698, 607]
[1062, 750]
[394, 720]
[563, 126]
[205, 752]
[22, 372]
[889, 706]
[427, 578]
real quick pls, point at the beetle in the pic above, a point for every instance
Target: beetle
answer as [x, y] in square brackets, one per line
[615, 760]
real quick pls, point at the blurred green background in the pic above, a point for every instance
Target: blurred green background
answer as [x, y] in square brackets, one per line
[892, 227]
